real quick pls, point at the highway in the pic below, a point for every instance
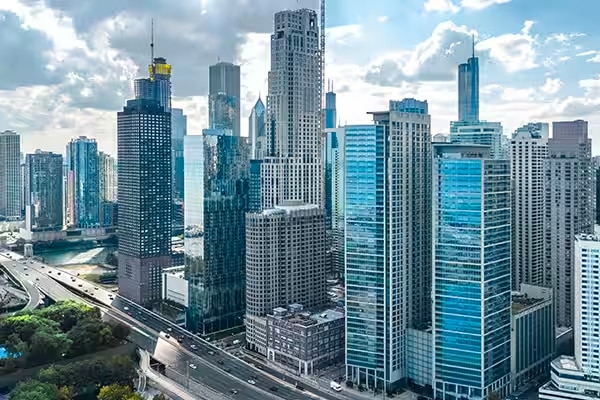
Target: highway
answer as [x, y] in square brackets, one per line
[192, 357]
[34, 296]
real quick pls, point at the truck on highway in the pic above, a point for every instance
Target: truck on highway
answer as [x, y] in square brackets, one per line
[335, 386]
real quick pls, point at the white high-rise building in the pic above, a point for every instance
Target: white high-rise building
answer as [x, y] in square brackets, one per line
[10, 175]
[292, 162]
[528, 150]
[107, 171]
[480, 132]
[570, 208]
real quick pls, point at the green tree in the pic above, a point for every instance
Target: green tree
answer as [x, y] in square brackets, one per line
[34, 390]
[160, 396]
[46, 347]
[88, 336]
[115, 392]
[68, 313]
[25, 326]
[120, 331]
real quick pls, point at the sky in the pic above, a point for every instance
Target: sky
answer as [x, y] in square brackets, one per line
[69, 64]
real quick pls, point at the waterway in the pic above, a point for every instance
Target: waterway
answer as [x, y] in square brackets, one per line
[64, 256]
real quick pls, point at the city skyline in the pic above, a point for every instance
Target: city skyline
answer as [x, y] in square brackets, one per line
[423, 64]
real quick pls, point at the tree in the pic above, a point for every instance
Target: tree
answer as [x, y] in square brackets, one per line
[25, 326]
[116, 392]
[34, 390]
[68, 313]
[160, 396]
[120, 331]
[493, 396]
[88, 336]
[45, 347]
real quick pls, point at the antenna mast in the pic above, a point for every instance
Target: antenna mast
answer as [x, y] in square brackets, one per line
[323, 62]
[152, 41]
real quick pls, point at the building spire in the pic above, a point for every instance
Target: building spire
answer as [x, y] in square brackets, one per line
[152, 41]
[473, 37]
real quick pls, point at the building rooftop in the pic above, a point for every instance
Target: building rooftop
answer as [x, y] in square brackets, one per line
[566, 363]
[307, 318]
[522, 302]
[583, 237]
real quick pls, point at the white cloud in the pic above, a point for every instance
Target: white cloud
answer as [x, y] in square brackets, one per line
[551, 86]
[451, 6]
[515, 51]
[382, 19]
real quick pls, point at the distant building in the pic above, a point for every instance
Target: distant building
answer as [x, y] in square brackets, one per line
[44, 188]
[224, 97]
[528, 152]
[569, 208]
[303, 340]
[468, 89]
[480, 132]
[257, 130]
[144, 146]
[335, 172]
[439, 138]
[107, 172]
[83, 183]
[532, 334]
[10, 175]
[179, 131]
[174, 286]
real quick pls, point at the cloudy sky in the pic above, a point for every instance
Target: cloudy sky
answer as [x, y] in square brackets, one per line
[68, 64]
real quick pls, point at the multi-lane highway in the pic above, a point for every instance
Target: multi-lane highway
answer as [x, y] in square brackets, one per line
[187, 355]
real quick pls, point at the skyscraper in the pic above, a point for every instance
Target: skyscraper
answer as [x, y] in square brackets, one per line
[569, 208]
[293, 158]
[179, 131]
[144, 193]
[330, 108]
[44, 188]
[224, 97]
[216, 200]
[290, 207]
[83, 183]
[107, 172]
[528, 148]
[158, 84]
[256, 130]
[388, 240]
[335, 172]
[480, 132]
[468, 89]
[10, 175]
[471, 284]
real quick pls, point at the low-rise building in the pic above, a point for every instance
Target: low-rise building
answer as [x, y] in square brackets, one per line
[532, 330]
[303, 340]
[174, 286]
[568, 382]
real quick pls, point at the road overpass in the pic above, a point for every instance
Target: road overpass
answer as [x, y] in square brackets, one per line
[190, 358]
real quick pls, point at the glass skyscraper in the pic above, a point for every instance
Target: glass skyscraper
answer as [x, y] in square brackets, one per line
[216, 201]
[179, 131]
[257, 130]
[468, 89]
[388, 242]
[44, 189]
[10, 175]
[224, 97]
[471, 282]
[144, 198]
[83, 183]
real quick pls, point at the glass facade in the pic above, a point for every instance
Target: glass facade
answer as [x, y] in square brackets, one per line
[216, 200]
[44, 189]
[471, 291]
[335, 196]
[179, 131]
[468, 90]
[83, 176]
[224, 97]
[367, 331]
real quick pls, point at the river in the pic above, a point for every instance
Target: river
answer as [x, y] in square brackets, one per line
[94, 255]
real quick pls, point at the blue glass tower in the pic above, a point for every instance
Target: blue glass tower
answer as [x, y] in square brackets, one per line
[330, 108]
[216, 201]
[468, 89]
[471, 283]
[388, 241]
[83, 183]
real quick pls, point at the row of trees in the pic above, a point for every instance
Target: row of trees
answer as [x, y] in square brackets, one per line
[64, 330]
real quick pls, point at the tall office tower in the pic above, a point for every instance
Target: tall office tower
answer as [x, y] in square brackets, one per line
[256, 130]
[10, 175]
[107, 172]
[144, 193]
[528, 150]
[335, 170]
[285, 264]
[388, 240]
[44, 188]
[471, 284]
[158, 84]
[83, 185]
[569, 208]
[596, 164]
[224, 97]
[292, 159]
[330, 108]
[216, 201]
[179, 132]
[468, 89]
[480, 132]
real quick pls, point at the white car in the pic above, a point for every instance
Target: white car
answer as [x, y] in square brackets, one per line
[252, 381]
[193, 366]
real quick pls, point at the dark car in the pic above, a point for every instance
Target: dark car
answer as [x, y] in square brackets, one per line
[227, 370]
[273, 388]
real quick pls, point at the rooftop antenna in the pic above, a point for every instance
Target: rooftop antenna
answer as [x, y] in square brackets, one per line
[152, 41]
[323, 59]
[473, 36]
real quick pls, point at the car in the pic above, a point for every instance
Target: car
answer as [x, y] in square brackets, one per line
[80, 285]
[85, 290]
[193, 366]
[234, 391]
[95, 287]
[273, 389]
[194, 347]
[211, 353]
[169, 330]
[220, 362]
[127, 309]
[180, 339]
[252, 381]
[43, 266]
[37, 279]
[49, 272]
[228, 370]
[58, 272]
[167, 336]
[25, 268]
[26, 274]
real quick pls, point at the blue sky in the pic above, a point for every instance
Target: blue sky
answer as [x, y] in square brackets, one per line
[73, 62]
